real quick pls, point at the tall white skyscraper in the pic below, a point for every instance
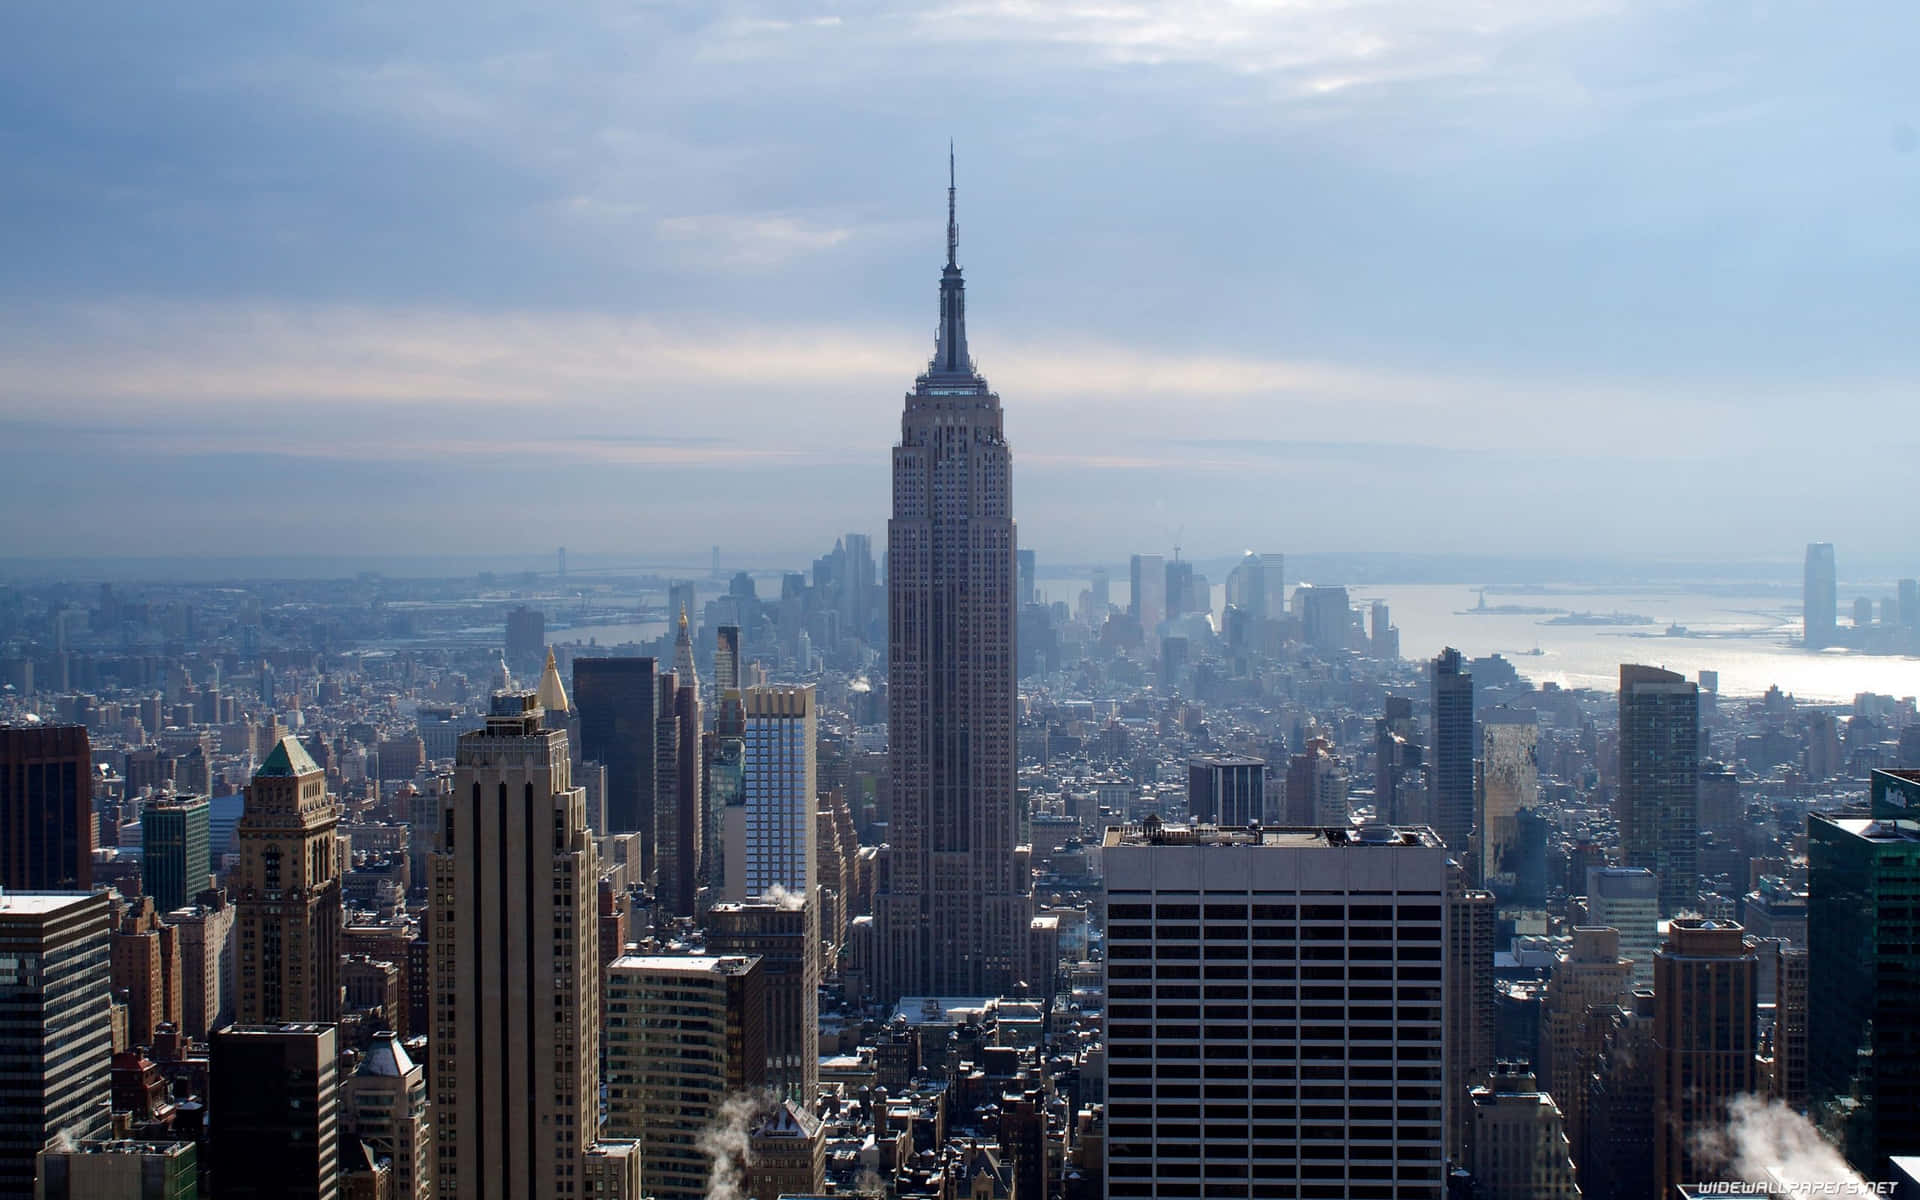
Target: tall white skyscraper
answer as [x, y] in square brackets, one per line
[771, 833]
[1294, 978]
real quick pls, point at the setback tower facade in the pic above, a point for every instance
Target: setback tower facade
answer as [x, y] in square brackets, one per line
[955, 916]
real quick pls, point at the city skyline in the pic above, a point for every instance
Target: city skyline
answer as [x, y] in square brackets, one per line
[1413, 294]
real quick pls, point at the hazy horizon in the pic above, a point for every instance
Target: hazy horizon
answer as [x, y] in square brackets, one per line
[1449, 278]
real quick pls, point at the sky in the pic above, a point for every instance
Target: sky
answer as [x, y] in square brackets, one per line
[1438, 276]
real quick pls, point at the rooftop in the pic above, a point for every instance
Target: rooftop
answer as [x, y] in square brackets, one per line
[41, 903]
[287, 759]
[1154, 833]
[696, 964]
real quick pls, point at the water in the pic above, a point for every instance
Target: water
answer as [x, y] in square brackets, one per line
[1741, 633]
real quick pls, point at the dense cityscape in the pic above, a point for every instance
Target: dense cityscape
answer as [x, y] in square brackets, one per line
[893, 877]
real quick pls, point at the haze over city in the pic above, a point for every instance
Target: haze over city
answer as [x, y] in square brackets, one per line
[1484, 278]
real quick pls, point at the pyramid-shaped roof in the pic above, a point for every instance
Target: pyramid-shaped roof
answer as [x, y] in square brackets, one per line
[386, 1056]
[287, 759]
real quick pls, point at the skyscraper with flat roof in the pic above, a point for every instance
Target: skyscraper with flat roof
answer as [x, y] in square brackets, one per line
[1704, 1037]
[274, 1108]
[1820, 601]
[46, 808]
[618, 701]
[1507, 780]
[684, 1033]
[1628, 899]
[175, 863]
[955, 915]
[1296, 977]
[1226, 789]
[56, 1025]
[1147, 583]
[1659, 802]
[1863, 942]
[1452, 750]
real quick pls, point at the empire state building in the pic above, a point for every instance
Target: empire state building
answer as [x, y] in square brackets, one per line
[955, 915]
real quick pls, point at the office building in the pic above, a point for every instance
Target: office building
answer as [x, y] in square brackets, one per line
[384, 1104]
[175, 860]
[618, 700]
[515, 964]
[956, 911]
[1863, 941]
[205, 929]
[680, 818]
[1147, 591]
[773, 831]
[1508, 780]
[1788, 1044]
[273, 1107]
[1627, 899]
[1470, 1018]
[1452, 774]
[46, 808]
[1226, 790]
[1704, 981]
[785, 937]
[1398, 794]
[526, 637]
[119, 1169]
[1321, 957]
[1589, 975]
[147, 971]
[1179, 588]
[1519, 1148]
[1659, 801]
[1326, 618]
[1317, 786]
[684, 1033]
[1618, 1139]
[286, 893]
[56, 1025]
[1820, 602]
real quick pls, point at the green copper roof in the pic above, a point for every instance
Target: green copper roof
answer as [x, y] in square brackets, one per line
[289, 758]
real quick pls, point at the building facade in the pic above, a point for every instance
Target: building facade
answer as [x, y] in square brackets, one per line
[56, 1025]
[1704, 1042]
[515, 955]
[274, 1112]
[685, 1032]
[175, 860]
[618, 700]
[1863, 942]
[1452, 750]
[955, 915]
[46, 808]
[1226, 790]
[785, 937]
[286, 890]
[1659, 803]
[1296, 977]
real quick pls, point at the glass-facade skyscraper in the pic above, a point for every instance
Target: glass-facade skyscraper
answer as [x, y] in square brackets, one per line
[1659, 802]
[1863, 939]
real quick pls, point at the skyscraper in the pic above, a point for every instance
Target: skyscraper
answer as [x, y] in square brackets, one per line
[56, 1025]
[46, 808]
[1452, 801]
[1147, 582]
[1863, 941]
[1226, 790]
[174, 859]
[274, 1103]
[1333, 1075]
[1397, 757]
[1703, 1039]
[772, 841]
[684, 1032]
[1820, 602]
[680, 817]
[515, 954]
[785, 936]
[286, 893]
[956, 914]
[1508, 781]
[1659, 802]
[618, 701]
[1627, 899]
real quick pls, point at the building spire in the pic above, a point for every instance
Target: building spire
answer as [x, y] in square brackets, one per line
[950, 355]
[953, 226]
